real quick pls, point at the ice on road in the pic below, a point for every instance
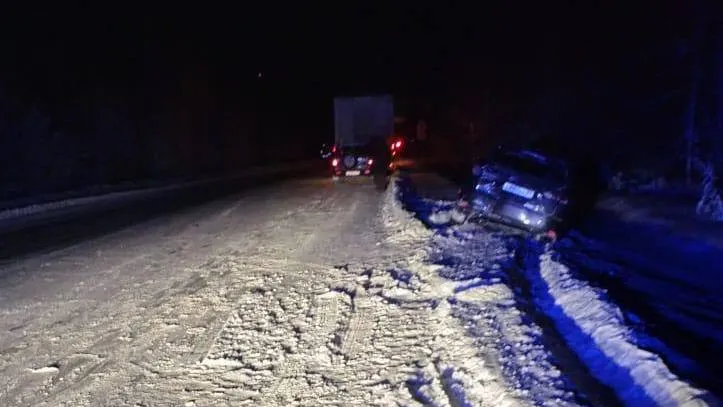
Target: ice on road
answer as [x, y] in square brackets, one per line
[304, 293]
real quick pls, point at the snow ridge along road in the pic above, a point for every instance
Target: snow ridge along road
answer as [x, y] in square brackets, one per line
[306, 293]
[64, 207]
[595, 328]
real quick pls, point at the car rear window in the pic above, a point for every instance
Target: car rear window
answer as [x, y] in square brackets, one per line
[356, 151]
[533, 165]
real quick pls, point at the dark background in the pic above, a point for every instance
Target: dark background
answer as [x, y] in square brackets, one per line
[100, 94]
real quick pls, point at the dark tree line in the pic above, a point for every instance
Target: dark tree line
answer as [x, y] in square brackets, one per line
[634, 86]
[103, 104]
[108, 136]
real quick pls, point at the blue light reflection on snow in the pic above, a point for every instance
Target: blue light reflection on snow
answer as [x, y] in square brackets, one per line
[670, 285]
[646, 276]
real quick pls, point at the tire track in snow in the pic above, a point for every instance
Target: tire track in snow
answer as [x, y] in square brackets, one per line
[369, 363]
[377, 355]
[314, 356]
[276, 337]
[137, 329]
[359, 324]
[277, 322]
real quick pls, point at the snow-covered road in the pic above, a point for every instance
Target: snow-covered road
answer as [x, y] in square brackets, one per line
[313, 292]
[307, 292]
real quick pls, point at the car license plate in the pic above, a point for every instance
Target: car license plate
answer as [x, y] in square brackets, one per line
[353, 173]
[518, 190]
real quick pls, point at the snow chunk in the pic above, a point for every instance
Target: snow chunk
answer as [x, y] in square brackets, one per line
[440, 218]
[46, 369]
[444, 217]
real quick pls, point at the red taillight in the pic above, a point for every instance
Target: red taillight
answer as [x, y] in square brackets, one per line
[370, 162]
[334, 162]
[398, 144]
[333, 149]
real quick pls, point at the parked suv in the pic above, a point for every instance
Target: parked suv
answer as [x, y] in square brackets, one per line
[351, 161]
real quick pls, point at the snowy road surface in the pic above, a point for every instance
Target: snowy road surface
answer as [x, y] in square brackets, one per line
[282, 295]
[308, 292]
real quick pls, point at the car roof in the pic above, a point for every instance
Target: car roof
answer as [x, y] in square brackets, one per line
[540, 158]
[535, 155]
[532, 154]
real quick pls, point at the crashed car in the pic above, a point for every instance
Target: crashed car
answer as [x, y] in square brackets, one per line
[520, 188]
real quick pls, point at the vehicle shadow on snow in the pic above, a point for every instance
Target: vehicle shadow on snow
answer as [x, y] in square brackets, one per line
[422, 209]
[494, 266]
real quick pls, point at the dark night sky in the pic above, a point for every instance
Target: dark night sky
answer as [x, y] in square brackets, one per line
[339, 44]
[456, 54]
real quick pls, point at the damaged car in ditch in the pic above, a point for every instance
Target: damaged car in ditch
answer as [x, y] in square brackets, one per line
[523, 189]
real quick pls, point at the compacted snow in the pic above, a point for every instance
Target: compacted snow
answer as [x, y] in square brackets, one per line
[311, 293]
[306, 293]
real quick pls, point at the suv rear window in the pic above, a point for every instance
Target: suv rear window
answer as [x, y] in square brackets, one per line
[357, 151]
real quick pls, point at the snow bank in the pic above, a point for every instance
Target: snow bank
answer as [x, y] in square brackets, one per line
[595, 329]
[125, 196]
[458, 374]
[402, 225]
